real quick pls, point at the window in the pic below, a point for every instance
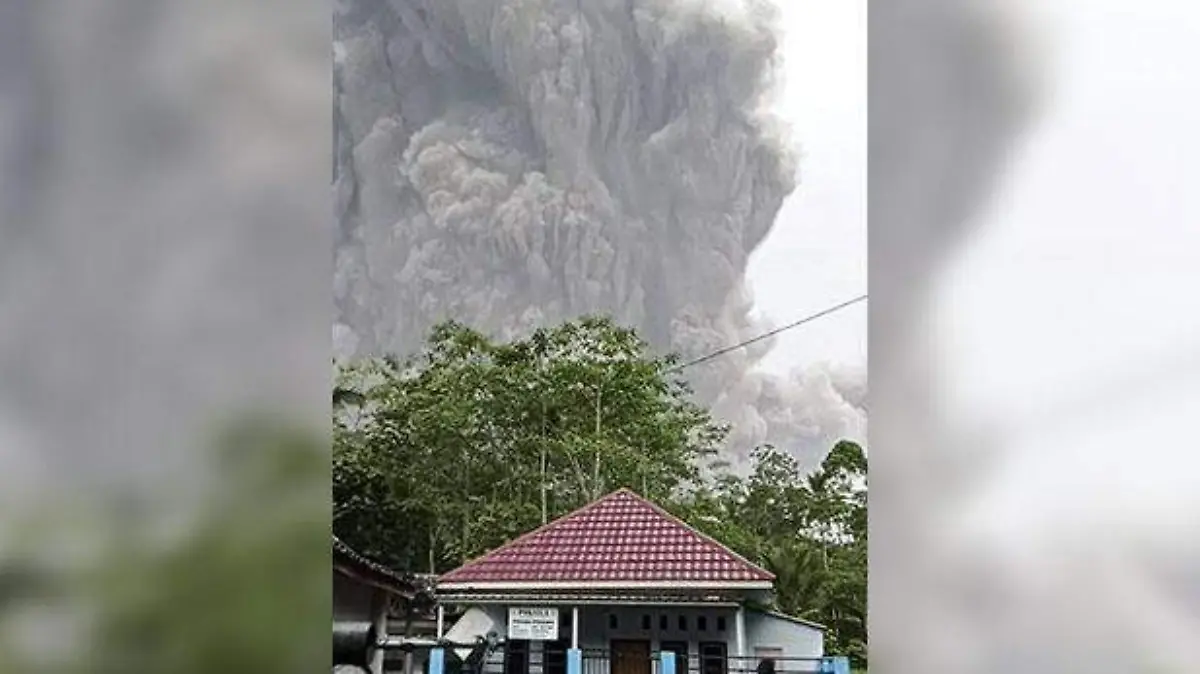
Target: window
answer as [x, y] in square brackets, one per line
[720, 623]
[554, 657]
[712, 658]
[612, 621]
[682, 623]
[680, 649]
[702, 623]
[646, 622]
[663, 622]
[516, 657]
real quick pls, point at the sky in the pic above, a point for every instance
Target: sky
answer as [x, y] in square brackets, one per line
[816, 256]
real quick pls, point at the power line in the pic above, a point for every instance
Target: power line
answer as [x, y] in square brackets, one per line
[765, 335]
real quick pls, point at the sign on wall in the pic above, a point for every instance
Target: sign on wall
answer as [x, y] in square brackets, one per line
[532, 623]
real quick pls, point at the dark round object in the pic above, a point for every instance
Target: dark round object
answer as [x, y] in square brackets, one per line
[353, 643]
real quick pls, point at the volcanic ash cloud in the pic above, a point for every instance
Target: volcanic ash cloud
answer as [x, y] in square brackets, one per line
[513, 163]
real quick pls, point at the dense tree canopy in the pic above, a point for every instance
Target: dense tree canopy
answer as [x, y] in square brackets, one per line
[471, 443]
[453, 452]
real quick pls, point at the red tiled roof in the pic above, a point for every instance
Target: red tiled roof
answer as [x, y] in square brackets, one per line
[619, 538]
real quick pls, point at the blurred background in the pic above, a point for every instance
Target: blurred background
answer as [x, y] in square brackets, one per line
[164, 335]
[1033, 336]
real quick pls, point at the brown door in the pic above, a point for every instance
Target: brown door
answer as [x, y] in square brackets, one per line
[630, 657]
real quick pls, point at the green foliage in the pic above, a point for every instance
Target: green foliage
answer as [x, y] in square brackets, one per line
[463, 442]
[454, 452]
[810, 531]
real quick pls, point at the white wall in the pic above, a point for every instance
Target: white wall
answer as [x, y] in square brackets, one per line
[794, 639]
[595, 630]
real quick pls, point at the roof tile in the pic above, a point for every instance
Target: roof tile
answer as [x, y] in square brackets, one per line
[621, 537]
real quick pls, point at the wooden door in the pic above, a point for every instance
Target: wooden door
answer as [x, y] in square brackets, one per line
[630, 656]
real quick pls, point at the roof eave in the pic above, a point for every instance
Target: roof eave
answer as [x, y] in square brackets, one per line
[358, 567]
[793, 619]
[446, 587]
[550, 599]
[376, 580]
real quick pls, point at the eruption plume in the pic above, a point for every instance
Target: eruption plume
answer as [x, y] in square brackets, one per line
[517, 163]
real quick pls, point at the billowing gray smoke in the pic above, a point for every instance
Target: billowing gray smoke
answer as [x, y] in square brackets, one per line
[512, 163]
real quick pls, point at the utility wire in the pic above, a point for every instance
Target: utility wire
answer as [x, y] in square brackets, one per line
[765, 335]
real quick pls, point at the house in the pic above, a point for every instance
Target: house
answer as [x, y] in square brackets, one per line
[615, 585]
[367, 591]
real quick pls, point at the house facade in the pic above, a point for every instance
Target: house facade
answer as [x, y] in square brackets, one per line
[366, 591]
[611, 588]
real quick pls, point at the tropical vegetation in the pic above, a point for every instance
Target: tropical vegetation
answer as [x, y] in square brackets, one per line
[442, 456]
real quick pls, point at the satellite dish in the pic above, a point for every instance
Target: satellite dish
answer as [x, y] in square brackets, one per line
[473, 626]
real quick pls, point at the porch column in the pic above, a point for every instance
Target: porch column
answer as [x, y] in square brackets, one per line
[575, 627]
[379, 620]
[667, 662]
[408, 655]
[441, 617]
[835, 665]
[740, 631]
[574, 655]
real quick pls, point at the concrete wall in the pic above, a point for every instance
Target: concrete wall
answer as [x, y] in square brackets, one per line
[766, 632]
[596, 631]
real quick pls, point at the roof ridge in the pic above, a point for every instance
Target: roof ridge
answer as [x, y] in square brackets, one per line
[533, 532]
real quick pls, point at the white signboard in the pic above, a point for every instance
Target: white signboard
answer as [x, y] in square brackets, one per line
[533, 624]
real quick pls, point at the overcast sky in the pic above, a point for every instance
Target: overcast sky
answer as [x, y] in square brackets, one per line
[817, 254]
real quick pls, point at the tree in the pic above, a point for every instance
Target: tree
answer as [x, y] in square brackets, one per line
[472, 442]
[838, 513]
[810, 531]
